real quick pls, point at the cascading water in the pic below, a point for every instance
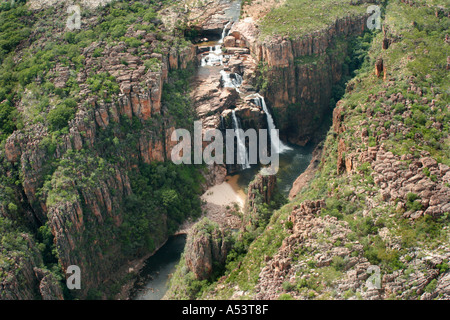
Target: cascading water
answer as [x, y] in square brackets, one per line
[222, 123]
[215, 54]
[231, 80]
[236, 80]
[279, 147]
[241, 148]
[214, 57]
[224, 32]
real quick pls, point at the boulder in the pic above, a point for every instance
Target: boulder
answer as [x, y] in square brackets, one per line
[229, 41]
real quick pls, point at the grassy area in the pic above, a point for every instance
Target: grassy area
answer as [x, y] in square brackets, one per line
[299, 17]
[416, 56]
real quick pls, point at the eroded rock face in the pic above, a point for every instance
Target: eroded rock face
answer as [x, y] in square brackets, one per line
[303, 180]
[307, 228]
[22, 280]
[49, 287]
[214, 175]
[300, 92]
[207, 247]
[264, 185]
[260, 191]
[82, 222]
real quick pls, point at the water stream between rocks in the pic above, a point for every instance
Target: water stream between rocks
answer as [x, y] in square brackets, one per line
[154, 276]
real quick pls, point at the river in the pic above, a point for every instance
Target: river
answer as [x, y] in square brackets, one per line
[157, 269]
[154, 276]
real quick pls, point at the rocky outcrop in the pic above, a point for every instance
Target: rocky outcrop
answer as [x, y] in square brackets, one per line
[22, 276]
[49, 286]
[206, 249]
[264, 186]
[301, 73]
[80, 195]
[303, 180]
[260, 191]
[18, 280]
[307, 226]
[406, 185]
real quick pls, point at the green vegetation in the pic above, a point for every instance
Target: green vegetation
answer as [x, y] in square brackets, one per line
[59, 116]
[103, 83]
[378, 230]
[14, 26]
[9, 120]
[159, 189]
[153, 64]
[176, 99]
[296, 18]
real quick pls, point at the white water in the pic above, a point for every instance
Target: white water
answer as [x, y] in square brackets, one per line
[231, 80]
[224, 32]
[214, 57]
[277, 145]
[215, 54]
[241, 148]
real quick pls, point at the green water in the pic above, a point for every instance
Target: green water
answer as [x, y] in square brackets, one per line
[157, 269]
[155, 274]
[292, 163]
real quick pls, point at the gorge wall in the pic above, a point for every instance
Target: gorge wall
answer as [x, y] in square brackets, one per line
[75, 179]
[297, 75]
[369, 219]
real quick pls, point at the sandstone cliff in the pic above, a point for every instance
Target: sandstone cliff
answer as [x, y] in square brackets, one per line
[261, 191]
[206, 249]
[297, 75]
[76, 180]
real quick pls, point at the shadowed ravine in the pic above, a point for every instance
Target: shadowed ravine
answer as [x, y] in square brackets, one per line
[154, 276]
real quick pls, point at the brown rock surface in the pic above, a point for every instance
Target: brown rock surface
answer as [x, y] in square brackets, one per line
[206, 245]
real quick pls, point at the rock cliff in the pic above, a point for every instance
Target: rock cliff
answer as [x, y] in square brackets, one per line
[206, 249]
[297, 75]
[260, 191]
[76, 180]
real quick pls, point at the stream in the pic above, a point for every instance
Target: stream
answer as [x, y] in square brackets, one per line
[157, 269]
[154, 276]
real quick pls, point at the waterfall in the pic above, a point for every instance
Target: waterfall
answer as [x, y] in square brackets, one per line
[279, 147]
[215, 54]
[222, 124]
[242, 155]
[213, 57]
[224, 32]
[237, 80]
[231, 80]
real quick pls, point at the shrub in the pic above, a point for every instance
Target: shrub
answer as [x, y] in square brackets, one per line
[153, 64]
[289, 224]
[8, 120]
[410, 197]
[443, 267]
[338, 263]
[287, 286]
[399, 108]
[431, 286]
[59, 117]
[285, 296]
